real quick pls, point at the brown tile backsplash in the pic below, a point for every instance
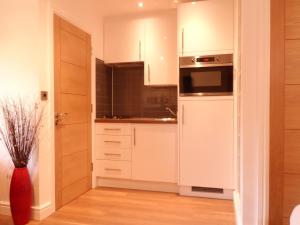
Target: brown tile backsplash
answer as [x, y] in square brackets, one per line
[130, 97]
[103, 89]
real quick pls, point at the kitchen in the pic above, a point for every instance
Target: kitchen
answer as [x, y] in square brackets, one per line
[165, 117]
[165, 113]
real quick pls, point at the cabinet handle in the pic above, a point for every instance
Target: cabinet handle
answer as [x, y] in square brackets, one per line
[149, 75]
[112, 154]
[112, 129]
[115, 142]
[134, 140]
[182, 40]
[182, 114]
[140, 50]
[110, 169]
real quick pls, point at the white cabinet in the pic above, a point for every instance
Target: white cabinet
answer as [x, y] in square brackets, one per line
[154, 155]
[113, 149]
[124, 40]
[205, 27]
[151, 38]
[206, 143]
[161, 53]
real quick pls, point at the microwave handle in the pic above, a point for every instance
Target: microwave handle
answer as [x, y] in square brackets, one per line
[149, 74]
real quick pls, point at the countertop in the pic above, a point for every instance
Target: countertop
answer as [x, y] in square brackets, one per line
[138, 120]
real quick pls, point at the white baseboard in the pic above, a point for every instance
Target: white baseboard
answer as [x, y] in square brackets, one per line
[38, 212]
[137, 185]
[237, 208]
[187, 191]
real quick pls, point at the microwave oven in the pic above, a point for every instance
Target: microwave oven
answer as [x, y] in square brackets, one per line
[206, 75]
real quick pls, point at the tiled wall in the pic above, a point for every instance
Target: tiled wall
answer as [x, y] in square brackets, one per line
[131, 98]
[103, 89]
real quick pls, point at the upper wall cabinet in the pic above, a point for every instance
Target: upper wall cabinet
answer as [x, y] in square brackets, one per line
[124, 40]
[161, 53]
[150, 38]
[205, 27]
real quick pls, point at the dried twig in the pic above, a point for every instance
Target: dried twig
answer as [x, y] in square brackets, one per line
[19, 128]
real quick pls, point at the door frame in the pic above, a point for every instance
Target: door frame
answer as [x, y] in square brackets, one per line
[277, 102]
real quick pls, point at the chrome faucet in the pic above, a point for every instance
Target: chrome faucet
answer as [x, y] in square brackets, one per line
[171, 111]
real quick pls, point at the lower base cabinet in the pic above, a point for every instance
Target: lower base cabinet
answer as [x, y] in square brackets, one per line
[154, 154]
[146, 152]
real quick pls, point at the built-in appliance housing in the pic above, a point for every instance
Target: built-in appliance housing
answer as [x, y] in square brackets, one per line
[206, 75]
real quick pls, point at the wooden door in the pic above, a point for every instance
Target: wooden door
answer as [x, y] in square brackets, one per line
[72, 55]
[285, 110]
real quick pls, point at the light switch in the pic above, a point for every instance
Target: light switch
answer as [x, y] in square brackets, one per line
[44, 95]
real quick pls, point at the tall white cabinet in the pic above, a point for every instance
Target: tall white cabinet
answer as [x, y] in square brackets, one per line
[206, 142]
[205, 27]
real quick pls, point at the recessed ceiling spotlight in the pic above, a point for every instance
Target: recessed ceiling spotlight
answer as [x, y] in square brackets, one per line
[193, 3]
[141, 4]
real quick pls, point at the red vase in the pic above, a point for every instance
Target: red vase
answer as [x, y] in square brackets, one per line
[20, 196]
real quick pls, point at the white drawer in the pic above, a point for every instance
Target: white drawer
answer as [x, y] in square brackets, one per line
[113, 154]
[112, 141]
[113, 169]
[113, 128]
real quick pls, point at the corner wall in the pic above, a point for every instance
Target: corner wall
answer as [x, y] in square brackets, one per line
[26, 68]
[255, 76]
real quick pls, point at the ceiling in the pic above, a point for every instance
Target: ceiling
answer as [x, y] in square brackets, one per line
[116, 7]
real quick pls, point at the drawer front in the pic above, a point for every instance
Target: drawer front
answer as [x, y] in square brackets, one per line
[112, 142]
[113, 169]
[113, 154]
[113, 128]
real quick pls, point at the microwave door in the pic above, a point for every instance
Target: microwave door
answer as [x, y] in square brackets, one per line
[206, 81]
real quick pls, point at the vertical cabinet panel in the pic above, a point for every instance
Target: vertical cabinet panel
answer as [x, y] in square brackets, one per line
[205, 27]
[161, 54]
[292, 107]
[154, 155]
[292, 151]
[206, 143]
[124, 40]
[292, 19]
[291, 193]
[292, 61]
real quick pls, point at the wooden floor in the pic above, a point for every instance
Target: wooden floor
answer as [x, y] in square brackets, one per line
[128, 207]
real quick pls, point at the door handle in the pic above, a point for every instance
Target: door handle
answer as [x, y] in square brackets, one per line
[59, 117]
[182, 115]
[134, 138]
[113, 142]
[140, 50]
[149, 74]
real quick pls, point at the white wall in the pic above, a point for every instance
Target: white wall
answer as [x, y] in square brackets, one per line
[255, 61]
[20, 69]
[26, 68]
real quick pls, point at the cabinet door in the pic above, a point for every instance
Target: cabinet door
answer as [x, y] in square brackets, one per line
[205, 27]
[206, 143]
[154, 156]
[161, 54]
[124, 40]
